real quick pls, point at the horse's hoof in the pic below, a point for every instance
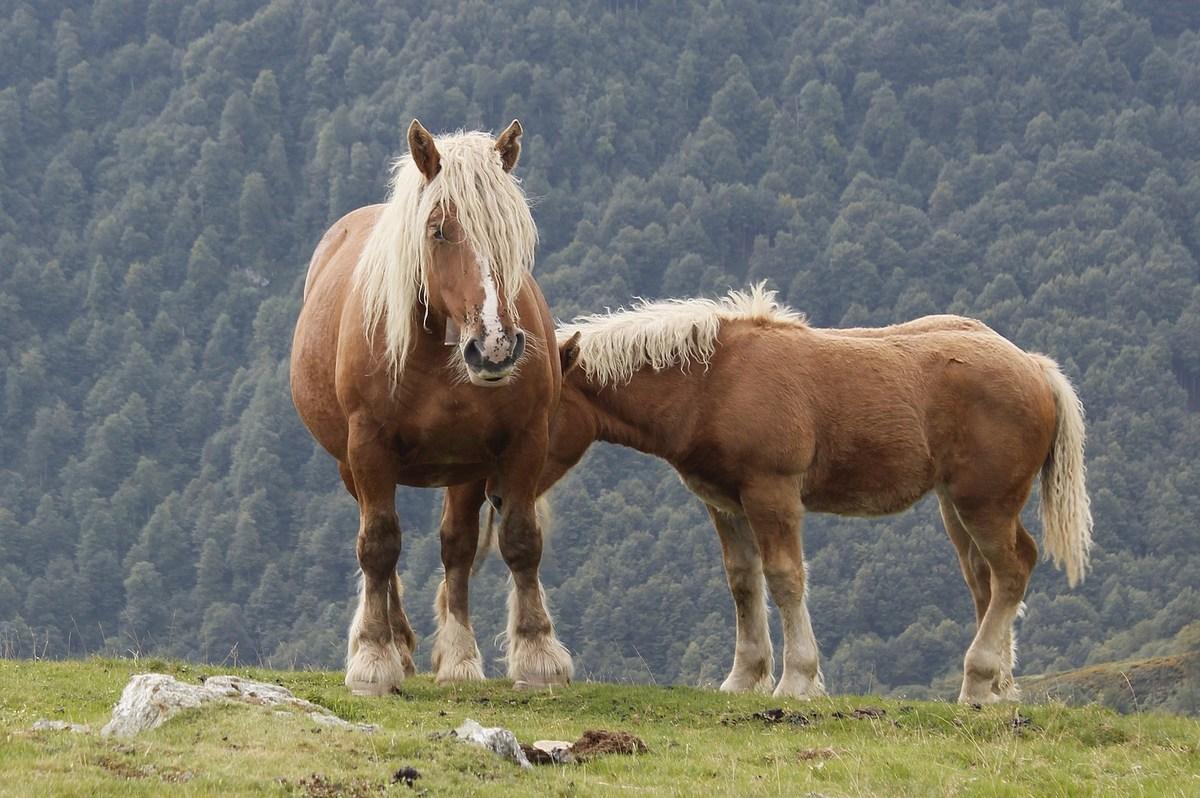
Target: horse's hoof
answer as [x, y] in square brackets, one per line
[800, 692]
[748, 684]
[978, 698]
[374, 669]
[469, 670]
[369, 689]
[541, 682]
[540, 663]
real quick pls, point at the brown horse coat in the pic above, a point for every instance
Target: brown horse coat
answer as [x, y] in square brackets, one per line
[768, 417]
[443, 430]
[445, 261]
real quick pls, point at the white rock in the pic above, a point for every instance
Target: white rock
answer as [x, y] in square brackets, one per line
[151, 698]
[496, 739]
[61, 725]
[323, 718]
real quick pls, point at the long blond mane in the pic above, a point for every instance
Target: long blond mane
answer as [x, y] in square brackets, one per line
[614, 345]
[493, 212]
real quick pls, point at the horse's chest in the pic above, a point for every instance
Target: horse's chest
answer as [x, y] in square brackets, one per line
[449, 433]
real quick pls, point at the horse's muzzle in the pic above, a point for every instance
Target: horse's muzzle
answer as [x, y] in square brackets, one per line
[484, 370]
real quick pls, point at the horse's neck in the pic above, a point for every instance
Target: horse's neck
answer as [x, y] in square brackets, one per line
[644, 414]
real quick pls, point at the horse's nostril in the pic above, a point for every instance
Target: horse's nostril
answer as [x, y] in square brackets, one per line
[473, 354]
[518, 345]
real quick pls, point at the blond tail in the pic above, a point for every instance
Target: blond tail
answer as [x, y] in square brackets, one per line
[487, 530]
[1066, 508]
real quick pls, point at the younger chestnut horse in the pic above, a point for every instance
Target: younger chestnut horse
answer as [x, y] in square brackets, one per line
[445, 260]
[765, 417]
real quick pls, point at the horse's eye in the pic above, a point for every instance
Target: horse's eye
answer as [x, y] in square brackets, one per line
[438, 234]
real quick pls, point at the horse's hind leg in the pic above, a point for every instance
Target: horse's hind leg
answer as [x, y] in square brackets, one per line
[455, 655]
[374, 660]
[753, 660]
[1008, 689]
[975, 570]
[1010, 554]
[978, 576]
[776, 516]
[402, 631]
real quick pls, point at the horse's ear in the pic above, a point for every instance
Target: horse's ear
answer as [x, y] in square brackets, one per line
[424, 152]
[508, 144]
[568, 353]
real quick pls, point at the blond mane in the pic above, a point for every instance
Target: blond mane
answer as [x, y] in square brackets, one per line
[493, 212]
[614, 345]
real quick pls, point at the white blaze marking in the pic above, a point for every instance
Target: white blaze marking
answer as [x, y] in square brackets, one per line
[495, 343]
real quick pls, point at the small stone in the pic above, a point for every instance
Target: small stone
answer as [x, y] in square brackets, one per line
[496, 739]
[325, 719]
[550, 752]
[61, 725]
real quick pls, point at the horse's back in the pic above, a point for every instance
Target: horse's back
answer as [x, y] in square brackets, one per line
[877, 417]
[942, 322]
[981, 412]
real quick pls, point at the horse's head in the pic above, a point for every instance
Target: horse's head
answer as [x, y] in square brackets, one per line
[463, 285]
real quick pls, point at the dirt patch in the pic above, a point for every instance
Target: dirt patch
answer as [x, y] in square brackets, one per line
[774, 716]
[1022, 723]
[862, 713]
[317, 786]
[780, 715]
[129, 770]
[118, 767]
[600, 741]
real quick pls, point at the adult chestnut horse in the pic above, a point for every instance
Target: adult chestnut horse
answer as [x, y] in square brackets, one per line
[765, 417]
[445, 260]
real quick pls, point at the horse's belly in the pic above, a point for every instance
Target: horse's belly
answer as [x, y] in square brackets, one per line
[440, 475]
[711, 493]
[882, 495]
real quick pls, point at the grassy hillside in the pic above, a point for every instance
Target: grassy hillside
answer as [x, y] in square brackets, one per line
[1169, 682]
[699, 742]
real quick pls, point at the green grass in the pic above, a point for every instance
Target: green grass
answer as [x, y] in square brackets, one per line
[701, 743]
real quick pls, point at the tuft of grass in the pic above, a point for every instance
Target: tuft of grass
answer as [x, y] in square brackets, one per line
[700, 742]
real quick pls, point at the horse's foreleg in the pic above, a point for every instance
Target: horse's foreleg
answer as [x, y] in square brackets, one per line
[455, 654]
[753, 659]
[536, 658]
[375, 662]
[776, 516]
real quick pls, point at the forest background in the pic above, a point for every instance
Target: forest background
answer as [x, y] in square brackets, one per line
[167, 168]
